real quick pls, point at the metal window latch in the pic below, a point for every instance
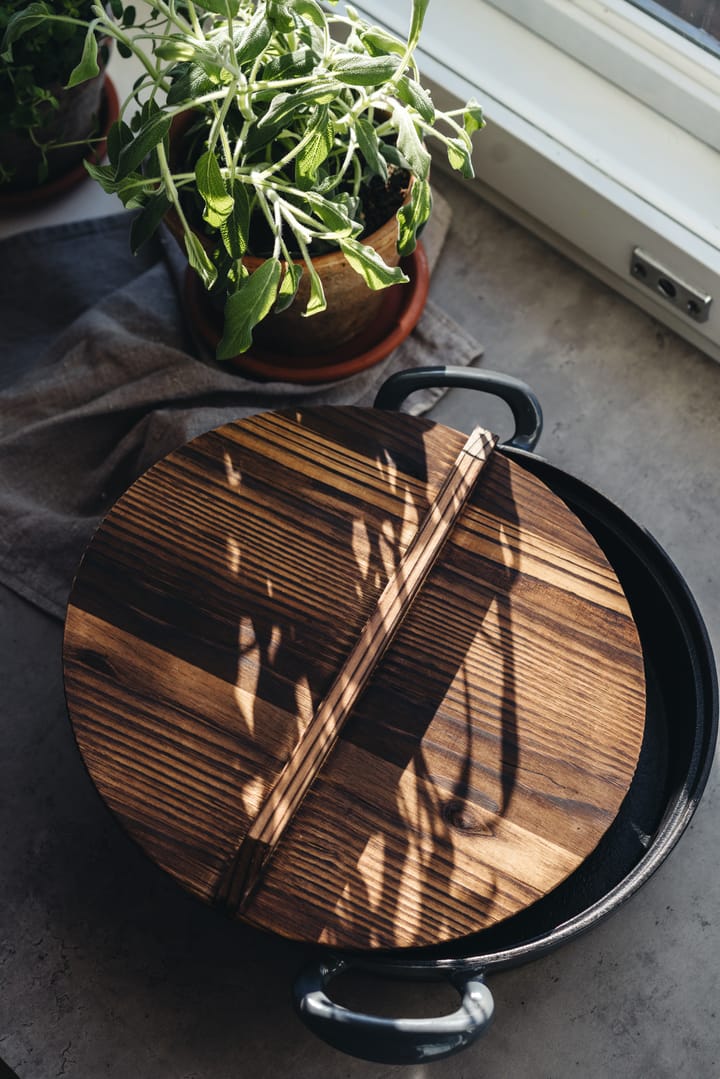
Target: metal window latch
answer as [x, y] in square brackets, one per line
[691, 301]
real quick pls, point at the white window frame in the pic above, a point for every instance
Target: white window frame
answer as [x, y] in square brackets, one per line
[578, 157]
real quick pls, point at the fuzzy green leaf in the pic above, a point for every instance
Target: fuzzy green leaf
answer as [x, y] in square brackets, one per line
[229, 8]
[87, 68]
[191, 82]
[412, 93]
[293, 64]
[369, 144]
[210, 184]
[413, 215]
[288, 286]
[316, 149]
[311, 11]
[200, 260]
[248, 306]
[236, 226]
[129, 190]
[335, 215]
[150, 133]
[419, 10]
[254, 38]
[316, 303]
[473, 118]
[374, 271]
[119, 135]
[410, 144]
[362, 70]
[148, 220]
[458, 153]
[379, 43]
[103, 175]
[176, 50]
[280, 16]
[284, 106]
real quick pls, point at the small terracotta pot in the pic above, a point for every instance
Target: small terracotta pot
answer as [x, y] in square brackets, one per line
[19, 195]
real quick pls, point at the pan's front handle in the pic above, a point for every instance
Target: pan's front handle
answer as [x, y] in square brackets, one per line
[391, 1041]
[518, 395]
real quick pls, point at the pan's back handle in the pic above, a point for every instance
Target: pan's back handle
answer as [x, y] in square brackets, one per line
[391, 1041]
[518, 395]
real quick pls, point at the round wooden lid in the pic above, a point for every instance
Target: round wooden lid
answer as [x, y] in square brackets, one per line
[487, 756]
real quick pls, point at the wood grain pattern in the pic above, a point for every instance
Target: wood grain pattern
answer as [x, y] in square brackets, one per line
[316, 742]
[490, 750]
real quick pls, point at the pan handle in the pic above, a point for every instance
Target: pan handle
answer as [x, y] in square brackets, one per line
[391, 1041]
[518, 395]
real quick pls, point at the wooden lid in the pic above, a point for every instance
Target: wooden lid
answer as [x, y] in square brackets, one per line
[492, 746]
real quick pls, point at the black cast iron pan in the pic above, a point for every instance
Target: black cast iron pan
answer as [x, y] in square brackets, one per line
[676, 756]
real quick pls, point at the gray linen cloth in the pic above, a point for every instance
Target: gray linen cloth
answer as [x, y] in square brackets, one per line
[99, 379]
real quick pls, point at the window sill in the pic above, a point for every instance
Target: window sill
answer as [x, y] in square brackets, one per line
[576, 159]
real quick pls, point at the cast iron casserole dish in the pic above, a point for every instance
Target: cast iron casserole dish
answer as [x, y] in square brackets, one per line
[153, 624]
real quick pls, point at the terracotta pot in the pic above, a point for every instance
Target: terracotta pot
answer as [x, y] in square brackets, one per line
[352, 308]
[14, 197]
[400, 310]
[79, 117]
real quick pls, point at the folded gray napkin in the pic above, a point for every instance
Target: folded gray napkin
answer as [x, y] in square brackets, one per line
[99, 379]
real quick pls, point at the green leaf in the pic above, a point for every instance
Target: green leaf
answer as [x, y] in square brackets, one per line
[248, 306]
[419, 10]
[150, 133]
[129, 190]
[366, 261]
[119, 135]
[148, 220]
[280, 16]
[254, 38]
[176, 50]
[410, 144]
[378, 42]
[299, 62]
[229, 8]
[191, 83]
[335, 215]
[87, 68]
[20, 23]
[369, 144]
[362, 70]
[316, 149]
[413, 215]
[473, 119]
[412, 93]
[236, 226]
[288, 286]
[284, 106]
[200, 260]
[210, 184]
[103, 175]
[458, 153]
[316, 302]
[311, 10]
